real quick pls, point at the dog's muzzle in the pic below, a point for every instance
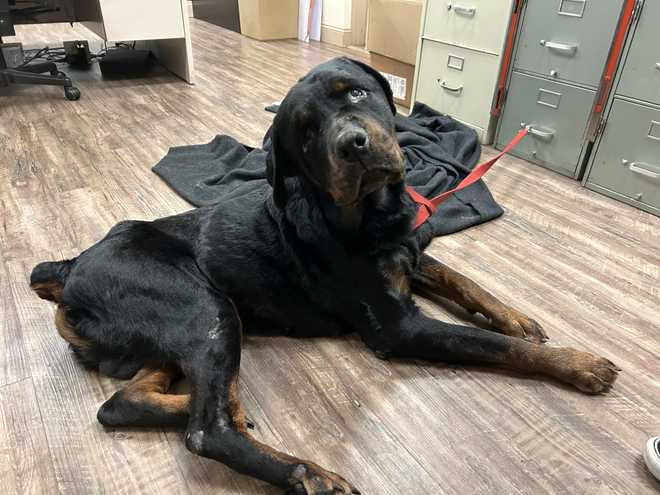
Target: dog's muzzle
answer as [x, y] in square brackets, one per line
[364, 158]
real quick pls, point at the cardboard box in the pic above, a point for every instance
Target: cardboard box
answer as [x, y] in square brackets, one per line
[393, 28]
[268, 19]
[399, 74]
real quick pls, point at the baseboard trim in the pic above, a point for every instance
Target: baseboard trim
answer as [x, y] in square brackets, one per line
[336, 36]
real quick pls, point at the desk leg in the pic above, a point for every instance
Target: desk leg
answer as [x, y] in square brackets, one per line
[175, 55]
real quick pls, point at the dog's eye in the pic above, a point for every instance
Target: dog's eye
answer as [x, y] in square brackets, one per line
[357, 94]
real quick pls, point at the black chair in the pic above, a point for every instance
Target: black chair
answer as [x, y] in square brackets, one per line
[45, 73]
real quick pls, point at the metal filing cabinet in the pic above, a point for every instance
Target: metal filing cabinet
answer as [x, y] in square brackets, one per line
[560, 55]
[459, 57]
[557, 114]
[626, 161]
[567, 40]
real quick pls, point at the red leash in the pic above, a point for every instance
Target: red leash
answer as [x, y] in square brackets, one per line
[426, 207]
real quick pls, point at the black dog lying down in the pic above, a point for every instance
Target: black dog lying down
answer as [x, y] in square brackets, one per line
[331, 251]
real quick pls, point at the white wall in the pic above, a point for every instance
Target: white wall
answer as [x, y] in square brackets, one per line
[337, 14]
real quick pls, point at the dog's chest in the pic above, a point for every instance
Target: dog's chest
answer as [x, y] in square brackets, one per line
[360, 290]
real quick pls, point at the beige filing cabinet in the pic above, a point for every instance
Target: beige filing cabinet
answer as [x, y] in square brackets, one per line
[459, 57]
[161, 26]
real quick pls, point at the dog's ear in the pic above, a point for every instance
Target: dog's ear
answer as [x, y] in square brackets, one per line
[381, 80]
[277, 165]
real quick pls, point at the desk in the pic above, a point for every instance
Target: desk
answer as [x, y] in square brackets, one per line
[161, 26]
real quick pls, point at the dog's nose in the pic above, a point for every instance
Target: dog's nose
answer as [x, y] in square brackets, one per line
[353, 143]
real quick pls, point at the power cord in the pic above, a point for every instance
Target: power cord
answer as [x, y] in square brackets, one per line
[57, 54]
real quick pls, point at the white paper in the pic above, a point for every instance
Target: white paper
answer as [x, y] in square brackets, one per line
[398, 85]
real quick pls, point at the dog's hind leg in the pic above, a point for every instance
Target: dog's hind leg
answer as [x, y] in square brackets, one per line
[144, 401]
[217, 428]
[433, 279]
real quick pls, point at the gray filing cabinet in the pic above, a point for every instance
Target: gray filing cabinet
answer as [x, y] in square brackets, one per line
[560, 55]
[626, 161]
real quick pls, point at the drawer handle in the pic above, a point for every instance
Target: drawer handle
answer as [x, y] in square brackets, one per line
[657, 65]
[457, 90]
[459, 9]
[643, 169]
[562, 48]
[545, 135]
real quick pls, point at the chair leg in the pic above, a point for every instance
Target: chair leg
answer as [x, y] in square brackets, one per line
[40, 68]
[17, 76]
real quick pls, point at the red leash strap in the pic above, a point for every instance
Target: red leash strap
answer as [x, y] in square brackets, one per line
[426, 207]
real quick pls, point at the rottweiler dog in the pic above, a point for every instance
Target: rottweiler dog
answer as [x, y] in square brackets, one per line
[330, 249]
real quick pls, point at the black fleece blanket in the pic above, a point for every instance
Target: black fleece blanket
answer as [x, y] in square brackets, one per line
[439, 153]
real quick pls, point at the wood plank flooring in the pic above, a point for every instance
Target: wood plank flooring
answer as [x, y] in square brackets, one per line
[585, 266]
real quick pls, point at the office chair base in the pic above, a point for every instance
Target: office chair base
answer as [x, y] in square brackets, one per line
[30, 75]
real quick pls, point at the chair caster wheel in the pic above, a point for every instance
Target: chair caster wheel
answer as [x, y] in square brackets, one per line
[72, 93]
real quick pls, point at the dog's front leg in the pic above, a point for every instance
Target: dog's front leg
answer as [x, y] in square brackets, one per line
[217, 427]
[416, 336]
[433, 279]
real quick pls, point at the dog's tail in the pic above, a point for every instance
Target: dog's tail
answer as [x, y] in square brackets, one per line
[48, 279]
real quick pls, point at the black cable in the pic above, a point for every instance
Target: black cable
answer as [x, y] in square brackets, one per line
[55, 55]
[34, 57]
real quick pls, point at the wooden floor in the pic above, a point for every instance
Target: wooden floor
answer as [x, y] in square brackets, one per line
[585, 266]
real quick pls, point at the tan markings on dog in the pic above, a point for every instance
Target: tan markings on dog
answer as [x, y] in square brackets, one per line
[588, 372]
[434, 279]
[51, 291]
[339, 86]
[315, 479]
[169, 403]
[337, 184]
[66, 330]
[381, 140]
[398, 279]
[236, 410]
[150, 386]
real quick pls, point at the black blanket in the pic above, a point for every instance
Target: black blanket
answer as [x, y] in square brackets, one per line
[439, 153]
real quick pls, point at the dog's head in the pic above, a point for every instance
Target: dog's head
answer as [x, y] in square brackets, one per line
[335, 128]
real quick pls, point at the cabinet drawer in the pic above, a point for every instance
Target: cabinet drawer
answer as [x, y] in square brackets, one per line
[558, 114]
[457, 81]
[128, 20]
[567, 39]
[477, 24]
[627, 161]
[641, 73]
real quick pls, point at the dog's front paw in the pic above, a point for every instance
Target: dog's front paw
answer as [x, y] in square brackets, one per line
[310, 479]
[516, 324]
[588, 372]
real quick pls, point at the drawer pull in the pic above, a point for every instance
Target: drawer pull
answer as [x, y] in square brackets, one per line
[562, 48]
[657, 65]
[444, 85]
[459, 9]
[644, 169]
[545, 135]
